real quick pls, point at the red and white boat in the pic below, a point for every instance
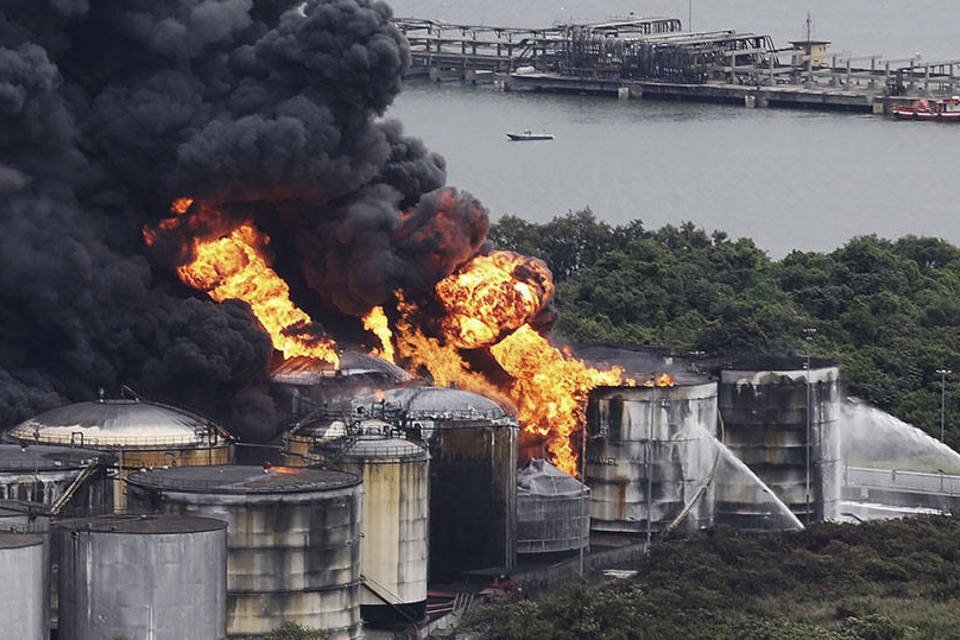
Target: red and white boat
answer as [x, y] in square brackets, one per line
[942, 109]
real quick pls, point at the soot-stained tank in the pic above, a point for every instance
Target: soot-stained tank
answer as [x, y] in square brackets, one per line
[293, 542]
[76, 481]
[553, 510]
[649, 455]
[303, 385]
[396, 487]
[149, 576]
[142, 434]
[23, 587]
[781, 419]
[473, 475]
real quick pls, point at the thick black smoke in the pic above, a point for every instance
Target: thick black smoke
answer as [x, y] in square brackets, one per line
[109, 110]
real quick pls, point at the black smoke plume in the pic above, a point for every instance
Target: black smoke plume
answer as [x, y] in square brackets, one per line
[269, 109]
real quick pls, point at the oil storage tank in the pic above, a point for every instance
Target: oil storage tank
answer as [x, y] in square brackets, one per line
[473, 475]
[23, 587]
[75, 481]
[142, 434]
[293, 540]
[553, 510]
[155, 577]
[649, 456]
[396, 487]
[781, 417]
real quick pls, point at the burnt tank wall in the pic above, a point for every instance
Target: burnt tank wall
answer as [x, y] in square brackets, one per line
[649, 452]
[473, 498]
[774, 420]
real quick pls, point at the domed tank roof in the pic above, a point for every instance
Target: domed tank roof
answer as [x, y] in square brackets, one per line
[375, 440]
[115, 423]
[442, 403]
[541, 478]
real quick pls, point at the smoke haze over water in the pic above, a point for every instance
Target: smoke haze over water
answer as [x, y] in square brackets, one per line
[267, 110]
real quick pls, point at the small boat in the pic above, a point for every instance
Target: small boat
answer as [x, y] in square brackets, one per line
[943, 109]
[527, 134]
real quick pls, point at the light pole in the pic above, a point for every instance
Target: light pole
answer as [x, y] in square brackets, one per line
[808, 334]
[943, 393]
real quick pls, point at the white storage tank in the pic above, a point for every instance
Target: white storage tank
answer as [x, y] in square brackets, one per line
[148, 577]
[396, 491]
[23, 587]
[293, 541]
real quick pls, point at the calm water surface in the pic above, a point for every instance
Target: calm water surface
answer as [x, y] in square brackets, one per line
[787, 179]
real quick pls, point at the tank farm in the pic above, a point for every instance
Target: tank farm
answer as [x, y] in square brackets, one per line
[354, 414]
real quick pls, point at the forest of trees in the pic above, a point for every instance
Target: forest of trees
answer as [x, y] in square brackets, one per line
[887, 311]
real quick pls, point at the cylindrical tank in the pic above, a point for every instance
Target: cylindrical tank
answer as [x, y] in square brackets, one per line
[293, 542]
[396, 487]
[23, 587]
[75, 480]
[473, 476]
[649, 456]
[142, 434]
[148, 577]
[553, 510]
[781, 419]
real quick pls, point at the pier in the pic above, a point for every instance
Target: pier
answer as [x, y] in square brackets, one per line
[653, 58]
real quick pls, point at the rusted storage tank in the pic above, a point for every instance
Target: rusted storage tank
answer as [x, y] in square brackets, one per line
[473, 476]
[293, 541]
[649, 455]
[396, 487]
[23, 586]
[156, 577]
[553, 510]
[142, 434]
[75, 480]
[781, 419]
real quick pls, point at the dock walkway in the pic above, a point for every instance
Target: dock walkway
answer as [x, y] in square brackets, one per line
[653, 58]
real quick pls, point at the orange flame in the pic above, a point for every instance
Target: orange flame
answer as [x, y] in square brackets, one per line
[551, 390]
[663, 380]
[493, 295]
[443, 361]
[180, 205]
[233, 267]
[488, 303]
[376, 322]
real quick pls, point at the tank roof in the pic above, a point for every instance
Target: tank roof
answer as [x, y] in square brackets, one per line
[373, 445]
[113, 423]
[19, 540]
[242, 479]
[541, 478]
[305, 371]
[144, 524]
[442, 403]
[38, 457]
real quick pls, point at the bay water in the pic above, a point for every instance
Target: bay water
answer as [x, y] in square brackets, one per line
[788, 179]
